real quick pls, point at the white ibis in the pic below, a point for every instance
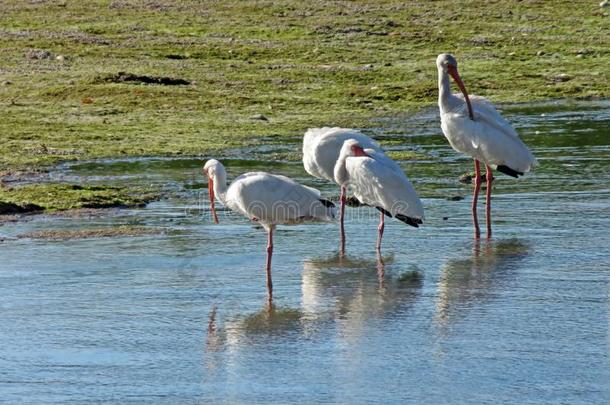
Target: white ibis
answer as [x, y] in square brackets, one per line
[378, 181]
[474, 127]
[321, 147]
[268, 199]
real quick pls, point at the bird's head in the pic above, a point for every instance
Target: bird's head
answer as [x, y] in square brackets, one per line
[211, 168]
[351, 147]
[447, 64]
[446, 61]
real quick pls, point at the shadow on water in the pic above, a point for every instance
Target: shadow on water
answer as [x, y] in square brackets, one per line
[467, 282]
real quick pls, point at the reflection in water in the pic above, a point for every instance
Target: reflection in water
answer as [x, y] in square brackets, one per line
[213, 343]
[463, 282]
[269, 320]
[335, 290]
[352, 290]
[346, 298]
[243, 331]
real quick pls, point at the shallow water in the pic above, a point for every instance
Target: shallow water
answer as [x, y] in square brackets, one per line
[181, 316]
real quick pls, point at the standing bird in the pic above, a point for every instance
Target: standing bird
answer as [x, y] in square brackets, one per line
[268, 199]
[321, 147]
[474, 127]
[378, 181]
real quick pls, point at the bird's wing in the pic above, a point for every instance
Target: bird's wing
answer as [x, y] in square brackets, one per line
[383, 158]
[378, 183]
[489, 138]
[311, 141]
[486, 113]
[275, 199]
[321, 148]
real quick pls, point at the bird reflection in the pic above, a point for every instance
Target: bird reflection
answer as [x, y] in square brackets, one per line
[255, 328]
[463, 282]
[342, 290]
[352, 290]
[271, 319]
[240, 331]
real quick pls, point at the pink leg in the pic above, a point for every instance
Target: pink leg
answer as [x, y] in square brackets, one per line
[269, 254]
[489, 177]
[380, 228]
[341, 226]
[475, 197]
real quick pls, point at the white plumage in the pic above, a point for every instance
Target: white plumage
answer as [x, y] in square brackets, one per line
[274, 199]
[473, 126]
[378, 181]
[321, 147]
[268, 199]
[489, 138]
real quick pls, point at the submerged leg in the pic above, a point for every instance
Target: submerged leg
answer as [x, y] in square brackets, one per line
[341, 226]
[269, 254]
[380, 268]
[490, 178]
[475, 197]
[380, 228]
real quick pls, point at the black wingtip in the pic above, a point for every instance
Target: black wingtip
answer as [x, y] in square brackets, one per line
[415, 222]
[507, 170]
[352, 201]
[326, 203]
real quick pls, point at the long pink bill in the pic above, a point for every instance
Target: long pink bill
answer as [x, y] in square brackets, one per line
[342, 199]
[458, 80]
[211, 193]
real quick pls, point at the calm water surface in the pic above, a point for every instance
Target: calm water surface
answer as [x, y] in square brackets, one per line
[180, 316]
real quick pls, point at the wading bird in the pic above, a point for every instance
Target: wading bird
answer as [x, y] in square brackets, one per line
[378, 181]
[474, 127]
[268, 199]
[321, 147]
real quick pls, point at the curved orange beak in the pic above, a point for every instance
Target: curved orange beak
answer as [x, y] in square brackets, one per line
[452, 70]
[211, 194]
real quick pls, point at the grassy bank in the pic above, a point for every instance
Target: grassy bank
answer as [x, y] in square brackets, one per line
[81, 80]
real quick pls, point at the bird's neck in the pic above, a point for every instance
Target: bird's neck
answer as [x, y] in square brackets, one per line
[446, 100]
[220, 186]
[340, 173]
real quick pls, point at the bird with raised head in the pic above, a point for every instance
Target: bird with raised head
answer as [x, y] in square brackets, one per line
[473, 126]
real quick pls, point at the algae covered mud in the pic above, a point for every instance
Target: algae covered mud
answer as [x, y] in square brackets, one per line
[107, 79]
[178, 313]
[133, 79]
